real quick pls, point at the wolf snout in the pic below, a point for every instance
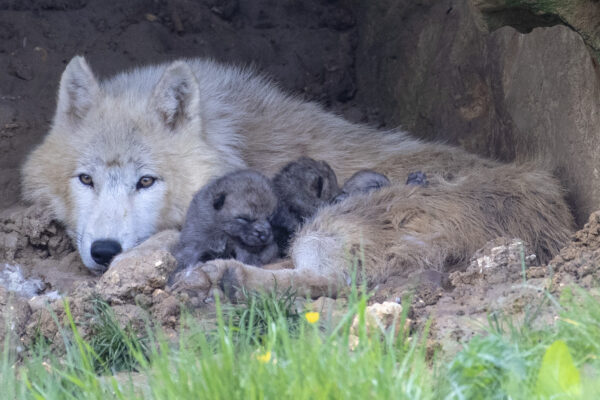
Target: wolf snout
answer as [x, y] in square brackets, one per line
[103, 251]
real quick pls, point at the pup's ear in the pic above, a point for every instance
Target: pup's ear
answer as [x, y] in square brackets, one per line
[317, 186]
[78, 90]
[219, 201]
[176, 97]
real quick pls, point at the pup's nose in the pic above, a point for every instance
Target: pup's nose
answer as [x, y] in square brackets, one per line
[263, 231]
[103, 251]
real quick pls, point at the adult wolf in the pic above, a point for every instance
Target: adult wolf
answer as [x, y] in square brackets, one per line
[125, 155]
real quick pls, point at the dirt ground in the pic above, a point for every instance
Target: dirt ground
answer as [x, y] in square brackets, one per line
[502, 278]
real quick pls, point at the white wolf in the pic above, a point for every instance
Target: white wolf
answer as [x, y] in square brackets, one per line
[124, 157]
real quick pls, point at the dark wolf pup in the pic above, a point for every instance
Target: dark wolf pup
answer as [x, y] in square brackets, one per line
[302, 187]
[229, 218]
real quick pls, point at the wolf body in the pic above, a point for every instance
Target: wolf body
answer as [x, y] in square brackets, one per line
[124, 157]
[229, 218]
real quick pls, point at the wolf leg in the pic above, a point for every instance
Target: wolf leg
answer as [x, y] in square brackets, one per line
[230, 276]
[282, 264]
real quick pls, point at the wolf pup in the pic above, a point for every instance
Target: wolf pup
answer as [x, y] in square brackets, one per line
[125, 155]
[302, 186]
[229, 218]
[363, 181]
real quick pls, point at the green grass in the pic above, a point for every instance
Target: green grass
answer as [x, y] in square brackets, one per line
[250, 321]
[268, 350]
[114, 349]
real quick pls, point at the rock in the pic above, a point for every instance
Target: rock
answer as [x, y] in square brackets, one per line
[501, 260]
[380, 317]
[580, 15]
[140, 270]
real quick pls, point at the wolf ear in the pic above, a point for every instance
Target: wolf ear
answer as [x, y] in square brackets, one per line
[176, 97]
[78, 89]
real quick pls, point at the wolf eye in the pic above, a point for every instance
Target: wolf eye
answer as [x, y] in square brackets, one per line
[86, 180]
[145, 182]
[244, 220]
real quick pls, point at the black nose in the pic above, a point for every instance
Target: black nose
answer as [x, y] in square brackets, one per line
[103, 251]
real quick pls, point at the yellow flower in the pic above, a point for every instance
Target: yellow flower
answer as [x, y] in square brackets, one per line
[264, 358]
[312, 317]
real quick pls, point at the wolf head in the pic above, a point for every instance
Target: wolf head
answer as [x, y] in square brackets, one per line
[123, 157]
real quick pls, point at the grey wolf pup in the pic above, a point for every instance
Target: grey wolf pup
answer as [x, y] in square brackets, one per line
[229, 218]
[302, 187]
[363, 181]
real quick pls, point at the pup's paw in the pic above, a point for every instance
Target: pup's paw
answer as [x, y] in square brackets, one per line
[226, 277]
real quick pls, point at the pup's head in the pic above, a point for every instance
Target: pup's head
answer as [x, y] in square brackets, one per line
[243, 202]
[303, 186]
[122, 159]
[364, 181]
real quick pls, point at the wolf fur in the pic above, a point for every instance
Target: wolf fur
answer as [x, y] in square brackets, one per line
[229, 218]
[188, 121]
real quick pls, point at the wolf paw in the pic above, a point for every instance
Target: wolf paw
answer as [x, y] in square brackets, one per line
[226, 278]
[192, 280]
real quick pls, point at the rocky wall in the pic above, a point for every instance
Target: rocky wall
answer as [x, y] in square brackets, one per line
[442, 71]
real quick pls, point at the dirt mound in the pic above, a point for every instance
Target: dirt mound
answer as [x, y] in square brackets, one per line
[501, 277]
[579, 262]
[40, 247]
